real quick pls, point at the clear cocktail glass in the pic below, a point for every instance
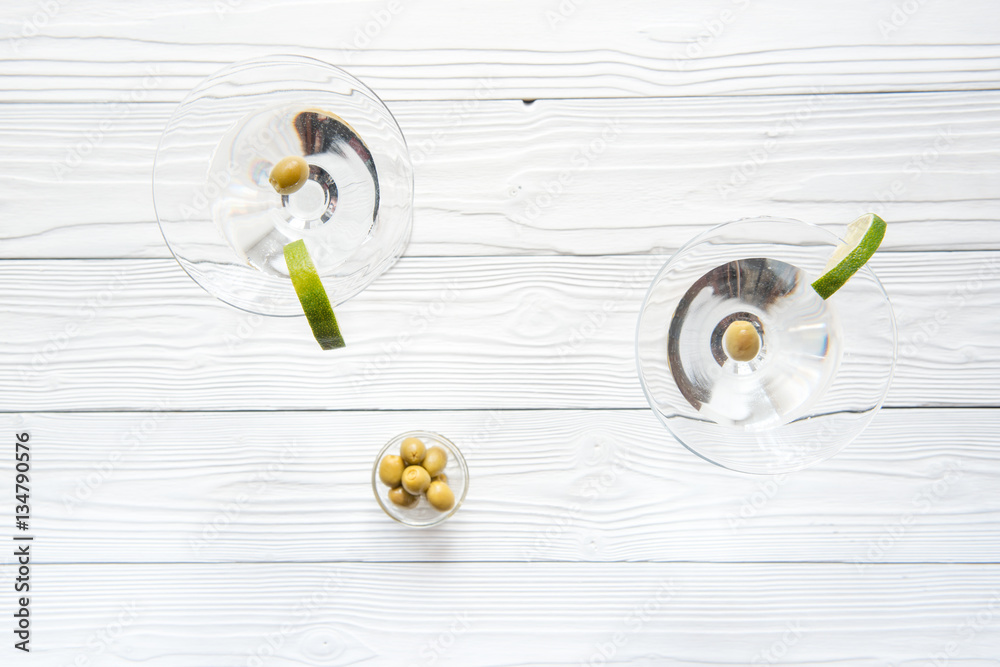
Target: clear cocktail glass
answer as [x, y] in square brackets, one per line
[227, 225]
[819, 370]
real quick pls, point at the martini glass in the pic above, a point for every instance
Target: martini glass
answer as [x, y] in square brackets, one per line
[226, 224]
[822, 369]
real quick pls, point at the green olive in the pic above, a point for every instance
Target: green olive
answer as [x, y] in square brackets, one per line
[289, 174]
[741, 340]
[435, 460]
[440, 478]
[413, 451]
[416, 480]
[399, 496]
[440, 496]
[390, 470]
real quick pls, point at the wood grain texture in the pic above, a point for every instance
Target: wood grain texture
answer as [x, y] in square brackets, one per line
[514, 614]
[823, 109]
[89, 51]
[563, 176]
[545, 486]
[514, 332]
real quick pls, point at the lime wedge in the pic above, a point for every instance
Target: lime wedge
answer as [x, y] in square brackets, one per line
[864, 236]
[312, 296]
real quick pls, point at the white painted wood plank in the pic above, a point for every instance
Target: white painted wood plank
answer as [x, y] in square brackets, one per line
[918, 486]
[517, 332]
[628, 176]
[477, 615]
[89, 50]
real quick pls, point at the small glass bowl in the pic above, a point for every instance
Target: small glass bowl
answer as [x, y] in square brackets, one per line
[422, 514]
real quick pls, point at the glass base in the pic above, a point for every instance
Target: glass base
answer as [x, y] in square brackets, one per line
[799, 344]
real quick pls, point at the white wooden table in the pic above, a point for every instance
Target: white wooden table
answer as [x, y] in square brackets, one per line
[200, 477]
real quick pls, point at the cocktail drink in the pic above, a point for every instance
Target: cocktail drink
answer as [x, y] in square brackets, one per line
[225, 217]
[746, 362]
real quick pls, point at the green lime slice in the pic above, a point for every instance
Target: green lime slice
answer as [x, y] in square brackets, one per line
[312, 296]
[864, 236]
